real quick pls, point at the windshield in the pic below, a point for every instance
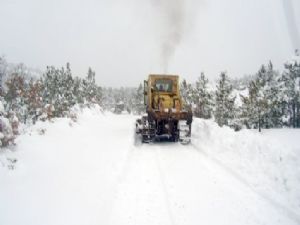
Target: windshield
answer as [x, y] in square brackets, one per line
[164, 85]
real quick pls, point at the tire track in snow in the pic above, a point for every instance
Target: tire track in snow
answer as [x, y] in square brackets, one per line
[116, 183]
[294, 216]
[140, 193]
[123, 173]
[164, 187]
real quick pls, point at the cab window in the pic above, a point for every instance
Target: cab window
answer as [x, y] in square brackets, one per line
[164, 85]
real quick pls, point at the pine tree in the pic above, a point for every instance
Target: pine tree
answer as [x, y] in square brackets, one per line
[271, 92]
[58, 90]
[291, 81]
[77, 91]
[202, 98]
[50, 92]
[261, 108]
[225, 110]
[66, 85]
[91, 92]
[187, 92]
[254, 106]
[138, 100]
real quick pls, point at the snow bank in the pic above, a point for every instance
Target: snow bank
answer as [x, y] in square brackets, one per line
[64, 172]
[268, 162]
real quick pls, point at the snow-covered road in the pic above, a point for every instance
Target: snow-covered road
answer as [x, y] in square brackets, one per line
[174, 184]
[91, 172]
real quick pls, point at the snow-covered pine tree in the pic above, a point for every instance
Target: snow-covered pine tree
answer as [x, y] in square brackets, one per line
[91, 92]
[224, 102]
[138, 100]
[57, 93]
[50, 92]
[187, 92]
[78, 92]
[291, 83]
[66, 86]
[61, 91]
[271, 92]
[256, 106]
[202, 98]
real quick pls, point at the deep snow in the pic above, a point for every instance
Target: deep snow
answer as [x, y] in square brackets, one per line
[90, 172]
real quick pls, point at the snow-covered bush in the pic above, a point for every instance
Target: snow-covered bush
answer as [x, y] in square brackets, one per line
[27, 99]
[8, 129]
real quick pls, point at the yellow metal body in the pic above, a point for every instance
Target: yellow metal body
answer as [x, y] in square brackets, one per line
[166, 116]
[162, 93]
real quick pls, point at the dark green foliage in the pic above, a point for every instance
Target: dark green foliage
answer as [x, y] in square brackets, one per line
[62, 91]
[262, 108]
[224, 101]
[202, 98]
[187, 93]
[91, 92]
[291, 89]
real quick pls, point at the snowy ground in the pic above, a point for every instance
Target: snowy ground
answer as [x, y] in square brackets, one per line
[90, 172]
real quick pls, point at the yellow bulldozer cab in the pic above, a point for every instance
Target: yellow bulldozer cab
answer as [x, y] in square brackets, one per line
[162, 92]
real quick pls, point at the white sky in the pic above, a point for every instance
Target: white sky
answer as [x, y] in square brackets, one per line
[121, 40]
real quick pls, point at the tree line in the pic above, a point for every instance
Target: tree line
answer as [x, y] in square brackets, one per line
[267, 99]
[26, 99]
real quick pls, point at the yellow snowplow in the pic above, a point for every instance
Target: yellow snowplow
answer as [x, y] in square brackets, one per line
[166, 118]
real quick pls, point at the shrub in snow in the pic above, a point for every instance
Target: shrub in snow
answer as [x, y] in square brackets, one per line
[14, 121]
[6, 132]
[34, 100]
[15, 96]
[48, 111]
[73, 114]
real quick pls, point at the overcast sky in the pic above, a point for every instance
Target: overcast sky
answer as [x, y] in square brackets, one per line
[125, 40]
